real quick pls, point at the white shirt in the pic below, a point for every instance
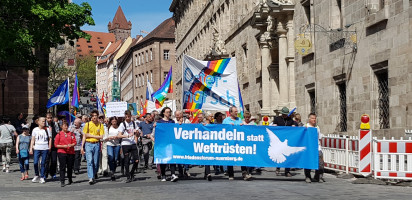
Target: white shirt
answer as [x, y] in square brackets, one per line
[112, 132]
[129, 131]
[319, 135]
[41, 139]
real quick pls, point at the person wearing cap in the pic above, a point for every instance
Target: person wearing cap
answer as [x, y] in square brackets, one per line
[22, 151]
[284, 120]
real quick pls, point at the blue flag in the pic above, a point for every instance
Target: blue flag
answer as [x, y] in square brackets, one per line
[60, 96]
[149, 91]
[247, 145]
[100, 107]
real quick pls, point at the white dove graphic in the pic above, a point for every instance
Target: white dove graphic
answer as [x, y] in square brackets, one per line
[278, 150]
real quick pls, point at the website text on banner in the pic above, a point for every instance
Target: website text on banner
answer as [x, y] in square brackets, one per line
[256, 146]
[210, 85]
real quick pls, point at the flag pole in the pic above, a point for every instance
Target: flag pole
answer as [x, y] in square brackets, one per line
[70, 115]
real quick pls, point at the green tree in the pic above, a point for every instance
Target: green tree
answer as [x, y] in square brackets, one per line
[59, 71]
[26, 25]
[86, 72]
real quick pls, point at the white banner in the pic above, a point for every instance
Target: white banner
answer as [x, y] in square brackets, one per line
[151, 106]
[116, 109]
[210, 85]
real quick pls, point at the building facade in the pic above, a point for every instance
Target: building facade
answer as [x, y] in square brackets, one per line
[259, 34]
[148, 61]
[359, 63]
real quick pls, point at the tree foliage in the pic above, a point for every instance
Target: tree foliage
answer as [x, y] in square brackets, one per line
[58, 70]
[86, 72]
[26, 25]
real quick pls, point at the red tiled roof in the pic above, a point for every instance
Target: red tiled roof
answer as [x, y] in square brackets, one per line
[165, 30]
[96, 45]
[120, 21]
[110, 51]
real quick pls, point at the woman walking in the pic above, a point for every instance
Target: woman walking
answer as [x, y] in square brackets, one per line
[40, 145]
[113, 146]
[65, 142]
[22, 151]
[166, 114]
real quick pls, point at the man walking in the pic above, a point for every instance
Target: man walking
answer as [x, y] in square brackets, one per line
[93, 133]
[127, 132]
[146, 129]
[318, 173]
[284, 120]
[234, 120]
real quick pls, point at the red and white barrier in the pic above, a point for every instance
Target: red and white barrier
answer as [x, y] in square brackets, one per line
[341, 153]
[393, 159]
[365, 153]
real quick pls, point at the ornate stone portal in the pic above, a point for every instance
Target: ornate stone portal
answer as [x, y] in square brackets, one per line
[274, 19]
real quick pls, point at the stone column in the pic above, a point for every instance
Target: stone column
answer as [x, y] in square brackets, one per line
[283, 68]
[291, 61]
[265, 45]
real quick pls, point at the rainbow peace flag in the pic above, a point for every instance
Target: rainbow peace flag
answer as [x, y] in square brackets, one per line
[159, 96]
[213, 68]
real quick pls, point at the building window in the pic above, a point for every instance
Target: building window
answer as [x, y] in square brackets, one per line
[79, 50]
[336, 14]
[147, 76]
[306, 8]
[244, 47]
[147, 56]
[312, 99]
[151, 76]
[143, 82]
[383, 98]
[139, 59]
[140, 81]
[137, 81]
[100, 42]
[89, 47]
[166, 54]
[342, 105]
[88, 41]
[165, 75]
[151, 55]
[70, 62]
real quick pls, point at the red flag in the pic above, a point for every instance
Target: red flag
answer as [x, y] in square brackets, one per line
[102, 100]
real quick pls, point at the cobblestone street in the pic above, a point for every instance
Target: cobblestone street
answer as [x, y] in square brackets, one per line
[264, 186]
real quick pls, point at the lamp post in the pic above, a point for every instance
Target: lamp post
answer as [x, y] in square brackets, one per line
[3, 77]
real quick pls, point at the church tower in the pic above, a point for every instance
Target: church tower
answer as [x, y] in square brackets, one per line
[120, 27]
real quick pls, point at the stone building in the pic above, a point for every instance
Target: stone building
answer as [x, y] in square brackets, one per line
[120, 27]
[258, 33]
[360, 62]
[148, 60]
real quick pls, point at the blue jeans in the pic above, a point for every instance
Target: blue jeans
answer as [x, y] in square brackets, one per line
[92, 158]
[37, 154]
[24, 164]
[112, 155]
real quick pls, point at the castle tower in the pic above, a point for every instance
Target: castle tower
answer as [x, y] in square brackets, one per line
[120, 27]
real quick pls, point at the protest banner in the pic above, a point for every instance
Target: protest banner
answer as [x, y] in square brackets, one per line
[210, 85]
[229, 145]
[115, 109]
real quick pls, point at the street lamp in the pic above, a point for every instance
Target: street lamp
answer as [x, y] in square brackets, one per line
[3, 77]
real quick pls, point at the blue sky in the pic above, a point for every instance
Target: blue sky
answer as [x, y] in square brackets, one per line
[144, 14]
